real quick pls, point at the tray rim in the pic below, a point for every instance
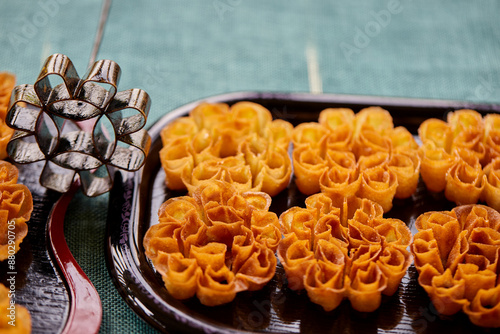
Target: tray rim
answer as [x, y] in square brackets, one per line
[180, 320]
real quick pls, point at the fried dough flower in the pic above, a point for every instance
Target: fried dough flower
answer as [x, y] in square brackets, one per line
[342, 179]
[175, 159]
[369, 142]
[364, 155]
[374, 119]
[250, 148]
[231, 169]
[309, 164]
[402, 140]
[491, 136]
[457, 255]
[337, 118]
[464, 179]
[379, 184]
[310, 134]
[435, 162]
[436, 131]
[406, 166]
[465, 120]
[343, 249]
[215, 244]
[15, 319]
[455, 155]
[16, 205]
[7, 83]
[491, 192]
[340, 123]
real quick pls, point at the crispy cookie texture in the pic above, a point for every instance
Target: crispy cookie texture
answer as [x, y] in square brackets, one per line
[460, 156]
[14, 319]
[215, 243]
[346, 154]
[343, 249]
[16, 205]
[457, 256]
[240, 144]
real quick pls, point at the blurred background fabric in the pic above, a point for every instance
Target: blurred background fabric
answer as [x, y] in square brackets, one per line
[181, 51]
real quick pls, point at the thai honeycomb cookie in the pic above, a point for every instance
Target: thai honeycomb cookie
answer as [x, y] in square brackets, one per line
[457, 254]
[338, 250]
[214, 244]
[240, 144]
[16, 205]
[14, 319]
[346, 154]
[459, 156]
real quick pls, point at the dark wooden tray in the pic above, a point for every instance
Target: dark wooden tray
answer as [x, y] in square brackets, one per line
[135, 199]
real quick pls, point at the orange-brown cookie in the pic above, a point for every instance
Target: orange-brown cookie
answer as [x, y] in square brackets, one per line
[457, 254]
[16, 205]
[491, 192]
[339, 154]
[240, 144]
[343, 249]
[13, 318]
[214, 244]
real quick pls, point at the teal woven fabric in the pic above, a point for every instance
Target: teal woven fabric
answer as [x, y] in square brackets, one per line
[180, 51]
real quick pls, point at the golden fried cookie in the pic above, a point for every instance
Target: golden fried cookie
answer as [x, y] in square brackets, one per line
[274, 171]
[374, 119]
[435, 163]
[457, 255]
[336, 250]
[406, 165]
[437, 132]
[342, 179]
[491, 192]
[231, 169]
[240, 144]
[472, 141]
[175, 159]
[465, 120]
[402, 140]
[362, 155]
[214, 244]
[179, 128]
[7, 83]
[491, 137]
[464, 179]
[279, 133]
[369, 142]
[340, 123]
[455, 155]
[336, 118]
[16, 205]
[309, 164]
[208, 115]
[379, 184]
[14, 318]
[310, 134]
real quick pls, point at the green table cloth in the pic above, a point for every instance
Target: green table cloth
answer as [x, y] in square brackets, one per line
[180, 51]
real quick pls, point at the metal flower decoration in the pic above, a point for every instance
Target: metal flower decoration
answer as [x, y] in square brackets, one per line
[78, 125]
